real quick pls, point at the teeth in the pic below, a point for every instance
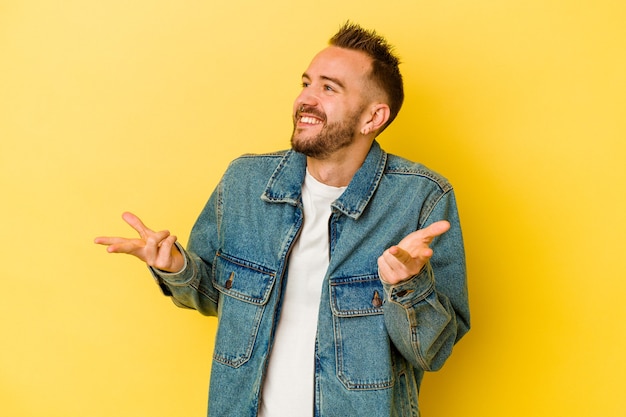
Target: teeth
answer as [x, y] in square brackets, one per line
[310, 120]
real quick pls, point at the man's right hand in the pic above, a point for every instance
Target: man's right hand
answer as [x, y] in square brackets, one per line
[156, 249]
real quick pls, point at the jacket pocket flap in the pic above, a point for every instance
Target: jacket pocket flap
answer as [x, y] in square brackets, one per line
[356, 296]
[242, 280]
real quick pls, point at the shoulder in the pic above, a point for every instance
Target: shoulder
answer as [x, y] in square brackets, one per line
[260, 158]
[257, 162]
[415, 172]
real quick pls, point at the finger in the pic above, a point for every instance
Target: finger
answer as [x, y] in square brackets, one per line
[164, 254]
[129, 246]
[383, 269]
[400, 254]
[110, 240]
[398, 267]
[413, 242]
[136, 224]
[398, 263]
[153, 241]
[106, 240]
[435, 229]
[423, 255]
[388, 265]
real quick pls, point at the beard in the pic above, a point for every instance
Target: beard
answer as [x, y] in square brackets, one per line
[331, 138]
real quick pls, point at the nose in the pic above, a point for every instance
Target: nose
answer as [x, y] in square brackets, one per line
[306, 98]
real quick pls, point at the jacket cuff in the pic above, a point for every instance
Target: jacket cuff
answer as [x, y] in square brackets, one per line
[413, 290]
[165, 279]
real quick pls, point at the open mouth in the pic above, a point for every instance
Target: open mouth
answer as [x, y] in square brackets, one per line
[309, 116]
[309, 120]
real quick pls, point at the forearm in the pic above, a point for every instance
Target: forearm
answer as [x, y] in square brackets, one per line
[422, 322]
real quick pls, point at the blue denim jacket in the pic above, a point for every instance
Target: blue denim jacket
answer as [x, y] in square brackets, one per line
[374, 340]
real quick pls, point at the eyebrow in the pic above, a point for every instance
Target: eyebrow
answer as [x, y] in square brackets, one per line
[326, 78]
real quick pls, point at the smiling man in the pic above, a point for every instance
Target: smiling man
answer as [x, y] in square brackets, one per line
[336, 270]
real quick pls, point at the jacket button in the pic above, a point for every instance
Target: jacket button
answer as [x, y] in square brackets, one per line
[228, 284]
[376, 301]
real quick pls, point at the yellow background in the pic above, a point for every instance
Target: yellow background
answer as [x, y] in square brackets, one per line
[117, 105]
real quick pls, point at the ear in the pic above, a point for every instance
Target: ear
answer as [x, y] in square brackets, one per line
[378, 116]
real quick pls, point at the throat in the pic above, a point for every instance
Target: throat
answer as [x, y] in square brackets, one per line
[334, 174]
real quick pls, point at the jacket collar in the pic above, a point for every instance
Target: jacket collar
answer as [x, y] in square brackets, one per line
[285, 184]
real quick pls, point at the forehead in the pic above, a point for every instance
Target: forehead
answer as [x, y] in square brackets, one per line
[340, 63]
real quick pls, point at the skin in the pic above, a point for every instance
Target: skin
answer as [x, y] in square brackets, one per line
[340, 106]
[335, 89]
[155, 248]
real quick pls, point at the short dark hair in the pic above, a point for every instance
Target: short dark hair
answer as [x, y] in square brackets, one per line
[385, 72]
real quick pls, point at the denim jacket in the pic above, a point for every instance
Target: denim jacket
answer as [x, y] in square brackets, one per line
[374, 341]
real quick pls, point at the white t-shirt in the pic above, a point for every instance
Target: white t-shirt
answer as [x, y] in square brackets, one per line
[288, 388]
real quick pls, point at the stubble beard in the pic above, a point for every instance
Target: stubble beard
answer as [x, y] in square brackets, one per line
[333, 137]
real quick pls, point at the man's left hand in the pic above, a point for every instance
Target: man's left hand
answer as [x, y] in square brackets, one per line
[407, 258]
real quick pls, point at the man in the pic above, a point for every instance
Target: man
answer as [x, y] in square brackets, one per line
[336, 271]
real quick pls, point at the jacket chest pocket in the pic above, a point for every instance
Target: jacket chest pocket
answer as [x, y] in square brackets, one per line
[362, 346]
[245, 289]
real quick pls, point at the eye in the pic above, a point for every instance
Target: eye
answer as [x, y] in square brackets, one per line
[305, 84]
[328, 88]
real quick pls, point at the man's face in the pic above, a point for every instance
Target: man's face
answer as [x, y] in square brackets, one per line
[328, 112]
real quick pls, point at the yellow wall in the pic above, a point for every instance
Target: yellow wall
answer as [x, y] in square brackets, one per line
[117, 105]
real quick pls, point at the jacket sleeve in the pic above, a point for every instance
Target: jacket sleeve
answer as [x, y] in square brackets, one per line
[428, 313]
[192, 287]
